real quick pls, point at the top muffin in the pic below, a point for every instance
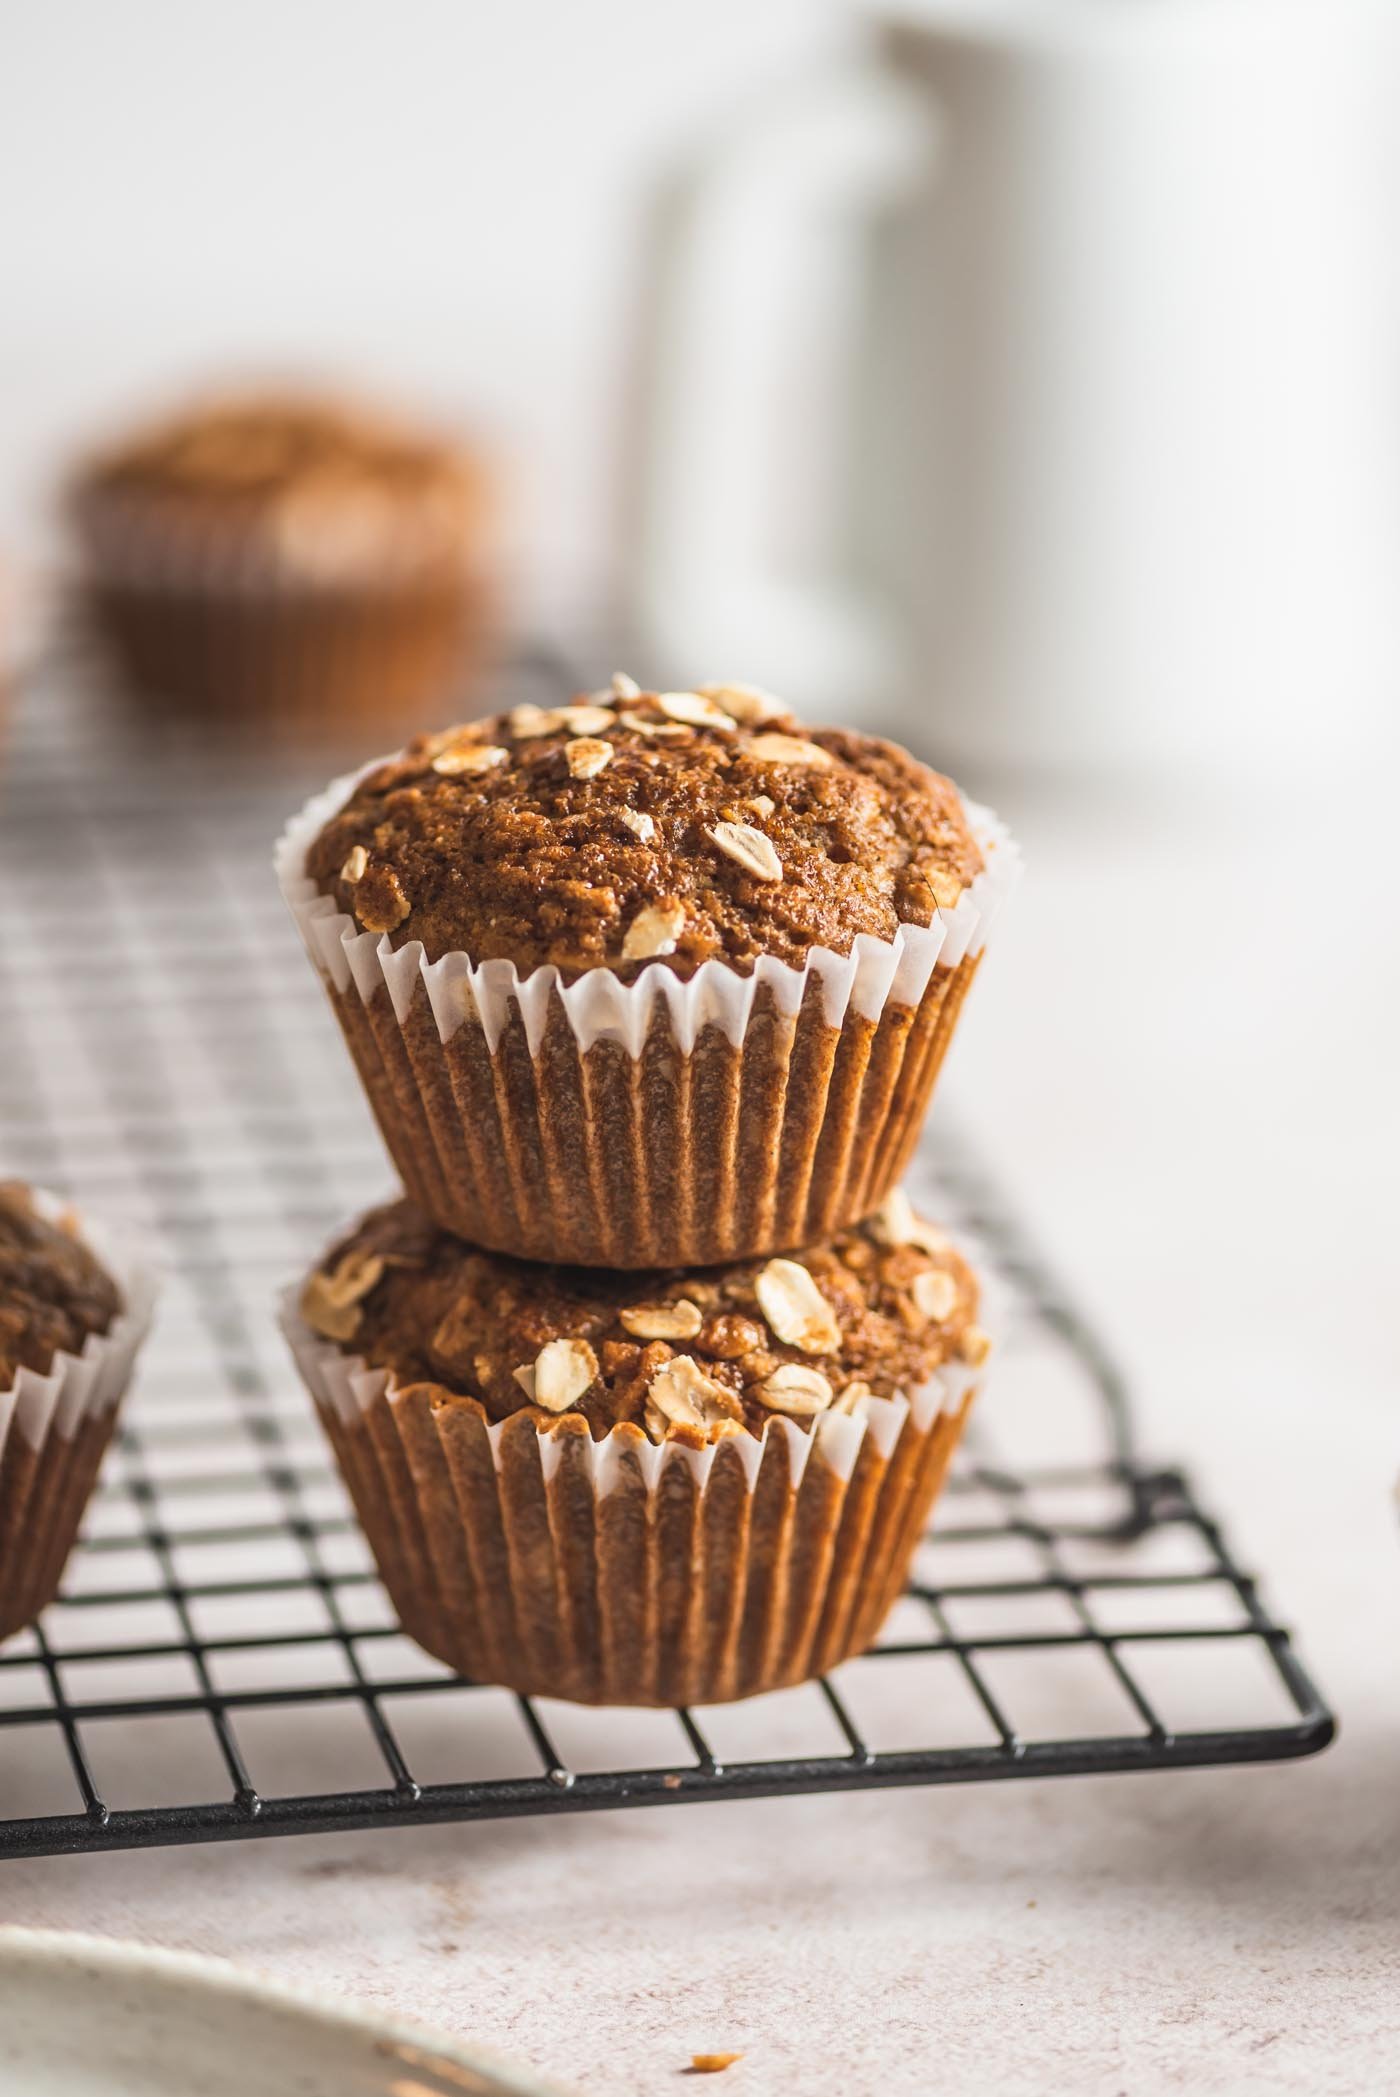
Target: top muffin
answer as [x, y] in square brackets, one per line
[329, 489]
[634, 826]
[53, 1291]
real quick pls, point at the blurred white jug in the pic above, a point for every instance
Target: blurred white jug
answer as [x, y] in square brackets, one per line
[1066, 323]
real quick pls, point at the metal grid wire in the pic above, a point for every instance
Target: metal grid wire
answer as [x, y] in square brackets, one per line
[222, 1661]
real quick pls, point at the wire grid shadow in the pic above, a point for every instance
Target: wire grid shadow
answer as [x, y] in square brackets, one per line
[222, 1661]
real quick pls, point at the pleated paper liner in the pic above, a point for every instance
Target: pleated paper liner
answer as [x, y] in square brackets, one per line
[624, 1571]
[657, 1122]
[198, 624]
[54, 1431]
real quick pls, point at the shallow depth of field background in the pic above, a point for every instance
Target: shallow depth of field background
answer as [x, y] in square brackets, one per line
[1144, 393]
[1082, 475]
[442, 200]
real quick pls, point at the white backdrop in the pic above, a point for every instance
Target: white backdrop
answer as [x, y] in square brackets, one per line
[441, 194]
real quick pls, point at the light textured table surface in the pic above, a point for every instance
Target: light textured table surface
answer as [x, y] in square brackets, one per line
[1181, 1055]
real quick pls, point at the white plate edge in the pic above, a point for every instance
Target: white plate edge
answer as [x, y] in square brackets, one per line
[124, 1958]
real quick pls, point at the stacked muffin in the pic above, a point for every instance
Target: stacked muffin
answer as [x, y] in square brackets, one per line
[644, 1394]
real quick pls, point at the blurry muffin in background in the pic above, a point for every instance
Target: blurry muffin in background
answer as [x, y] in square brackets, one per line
[288, 562]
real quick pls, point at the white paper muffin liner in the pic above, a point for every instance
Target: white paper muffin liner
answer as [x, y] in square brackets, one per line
[55, 1428]
[627, 1571]
[599, 1005]
[655, 1122]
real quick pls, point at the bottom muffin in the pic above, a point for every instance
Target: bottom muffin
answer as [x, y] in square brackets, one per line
[641, 1489]
[72, 1315]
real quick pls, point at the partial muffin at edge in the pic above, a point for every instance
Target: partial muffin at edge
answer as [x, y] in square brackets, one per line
[72, 1317]
[54, 1291]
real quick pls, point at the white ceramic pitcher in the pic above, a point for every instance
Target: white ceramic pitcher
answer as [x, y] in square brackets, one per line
[1030, 387]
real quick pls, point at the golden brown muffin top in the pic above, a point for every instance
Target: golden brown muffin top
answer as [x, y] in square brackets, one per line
[327, 482]
[630, 826]
[687, 1355]
[53, 1290]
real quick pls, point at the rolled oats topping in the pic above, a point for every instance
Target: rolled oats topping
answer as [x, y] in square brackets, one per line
[539, 836]
[935, 1293]
[680, 1320]
[690, 1356]
[588, 720]
[685, 1396]
[795, 1308]
[750, 849]
[746, 703]
[895, 1223]
[530, 723]
[467, 758]
[586, 756]
[331, 1301]
[655, 930]
[786, 750]
[354, 868]
[796, 1389]
[560, 1374]
[644, 724]
[625, 687]
[695, 711]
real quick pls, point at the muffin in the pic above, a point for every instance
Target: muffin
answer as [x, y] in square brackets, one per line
[641, 1489]
[649, 979]
[286, 563]
[72, 1315]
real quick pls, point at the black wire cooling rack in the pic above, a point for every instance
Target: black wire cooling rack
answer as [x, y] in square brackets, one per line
[222, 1662]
